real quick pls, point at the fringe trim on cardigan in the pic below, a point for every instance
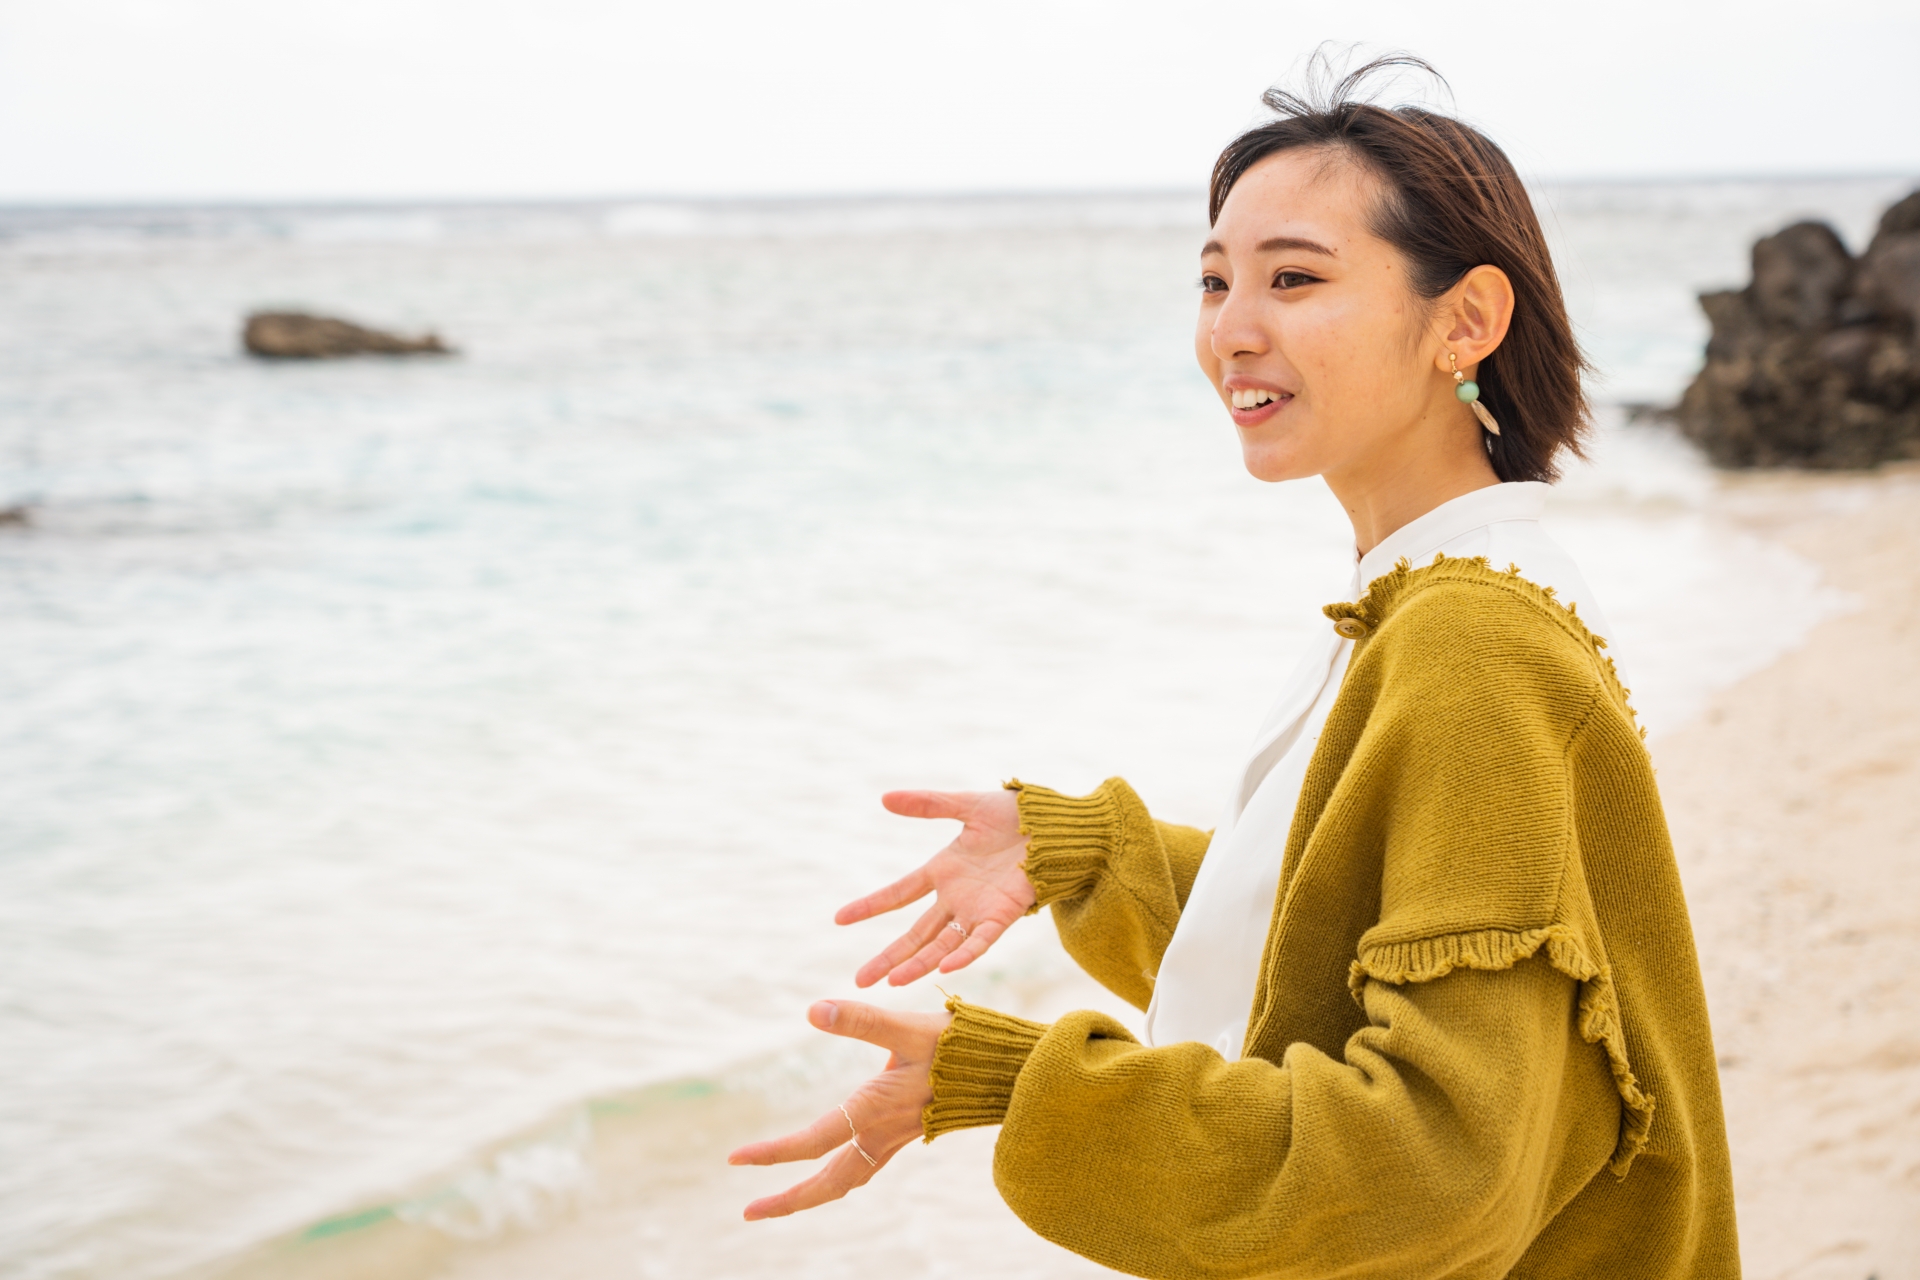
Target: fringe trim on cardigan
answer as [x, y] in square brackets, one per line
[1385, 593]
[1072, 839]
[974, 1067]
[1425, 959]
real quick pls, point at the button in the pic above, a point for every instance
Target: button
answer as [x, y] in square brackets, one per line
[1350, 628]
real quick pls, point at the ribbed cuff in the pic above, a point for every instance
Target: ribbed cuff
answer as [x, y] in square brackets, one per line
[974, 1067]
[1072, 839]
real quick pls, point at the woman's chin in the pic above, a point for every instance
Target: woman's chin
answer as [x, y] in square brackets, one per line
[1273, 463]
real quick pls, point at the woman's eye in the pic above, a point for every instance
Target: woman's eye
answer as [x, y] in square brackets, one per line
[1212, 284]
[1292, 279]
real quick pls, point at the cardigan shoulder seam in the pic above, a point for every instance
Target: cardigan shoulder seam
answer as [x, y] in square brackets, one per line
[1569, 860]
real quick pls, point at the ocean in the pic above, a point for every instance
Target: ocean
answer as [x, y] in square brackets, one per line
[427, 784]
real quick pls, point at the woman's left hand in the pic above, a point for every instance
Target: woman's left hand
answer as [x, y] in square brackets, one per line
[884, 1113]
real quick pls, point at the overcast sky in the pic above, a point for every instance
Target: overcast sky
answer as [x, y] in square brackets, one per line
[395, 99]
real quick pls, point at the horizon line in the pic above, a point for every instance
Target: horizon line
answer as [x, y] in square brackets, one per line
[847, 196]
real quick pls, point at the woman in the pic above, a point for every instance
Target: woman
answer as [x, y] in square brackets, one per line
[1426, 1002]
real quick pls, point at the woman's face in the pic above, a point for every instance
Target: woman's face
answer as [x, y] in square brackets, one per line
[1309, 328]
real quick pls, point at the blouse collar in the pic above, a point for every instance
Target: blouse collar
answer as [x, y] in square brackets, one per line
[1417, 540]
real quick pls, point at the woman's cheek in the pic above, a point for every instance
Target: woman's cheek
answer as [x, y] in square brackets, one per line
[1327, 337]
[1203, 353]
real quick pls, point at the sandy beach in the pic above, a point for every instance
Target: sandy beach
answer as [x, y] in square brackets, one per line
[1795, 808]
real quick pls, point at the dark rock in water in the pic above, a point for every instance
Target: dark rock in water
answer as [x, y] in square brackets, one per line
[1890, 276]
[292, 335]
[1800, 275]
[19, 516]
[1901, 219]
[1817, 362]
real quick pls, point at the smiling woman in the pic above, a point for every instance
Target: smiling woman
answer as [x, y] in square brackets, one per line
[1425, 1002]
[1392, 202]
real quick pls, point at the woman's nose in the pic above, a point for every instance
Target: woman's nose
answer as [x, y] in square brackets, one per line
[1237, 330]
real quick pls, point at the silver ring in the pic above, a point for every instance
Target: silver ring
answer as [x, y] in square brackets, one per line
[854, 1138]
[955, 924]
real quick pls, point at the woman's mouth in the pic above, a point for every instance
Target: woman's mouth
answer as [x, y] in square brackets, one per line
[1256, 404]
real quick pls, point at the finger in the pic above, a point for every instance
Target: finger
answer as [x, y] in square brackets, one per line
[911, 887]
[927, 957]
[823, 1135]
[840, 1175]
[894, 1032]
[931, 804]
[923, 931]
[974, 947]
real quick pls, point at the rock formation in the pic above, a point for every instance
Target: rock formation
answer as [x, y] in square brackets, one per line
[1817, 362]
[292, 335]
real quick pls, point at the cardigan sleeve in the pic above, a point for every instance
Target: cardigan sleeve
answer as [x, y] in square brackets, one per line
[1116, 878]
[1456, 1123]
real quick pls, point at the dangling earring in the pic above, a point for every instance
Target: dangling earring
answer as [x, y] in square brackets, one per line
[1469, 393]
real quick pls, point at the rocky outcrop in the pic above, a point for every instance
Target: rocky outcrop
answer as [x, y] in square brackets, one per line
[1817, 362]
[293, 335]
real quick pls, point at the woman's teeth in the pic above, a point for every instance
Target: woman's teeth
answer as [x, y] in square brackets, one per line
[1253, 397]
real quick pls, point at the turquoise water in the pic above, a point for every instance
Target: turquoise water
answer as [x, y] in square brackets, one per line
[426, 781]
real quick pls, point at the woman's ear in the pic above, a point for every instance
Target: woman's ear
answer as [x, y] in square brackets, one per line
[1473, 317]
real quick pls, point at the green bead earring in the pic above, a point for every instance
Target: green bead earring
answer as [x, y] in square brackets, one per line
[1469, 393]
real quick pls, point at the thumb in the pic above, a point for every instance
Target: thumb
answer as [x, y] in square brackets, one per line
[893, 1032]
[930, 804]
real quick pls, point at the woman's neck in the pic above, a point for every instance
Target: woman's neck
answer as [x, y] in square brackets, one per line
[1399, 490]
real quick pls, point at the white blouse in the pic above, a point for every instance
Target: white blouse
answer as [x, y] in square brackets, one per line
[1204, 990]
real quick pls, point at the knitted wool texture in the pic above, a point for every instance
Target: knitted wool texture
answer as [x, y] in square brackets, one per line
[1479, 805]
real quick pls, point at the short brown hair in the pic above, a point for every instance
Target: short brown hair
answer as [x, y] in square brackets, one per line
[1452, 202]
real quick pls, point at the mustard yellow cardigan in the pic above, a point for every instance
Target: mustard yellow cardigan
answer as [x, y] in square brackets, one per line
[1479, 1045]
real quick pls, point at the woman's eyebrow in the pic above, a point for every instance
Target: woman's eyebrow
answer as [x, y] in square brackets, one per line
[1275, 244]
[1295, 242]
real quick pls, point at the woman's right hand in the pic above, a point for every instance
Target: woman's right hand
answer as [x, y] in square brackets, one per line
[978, 882]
